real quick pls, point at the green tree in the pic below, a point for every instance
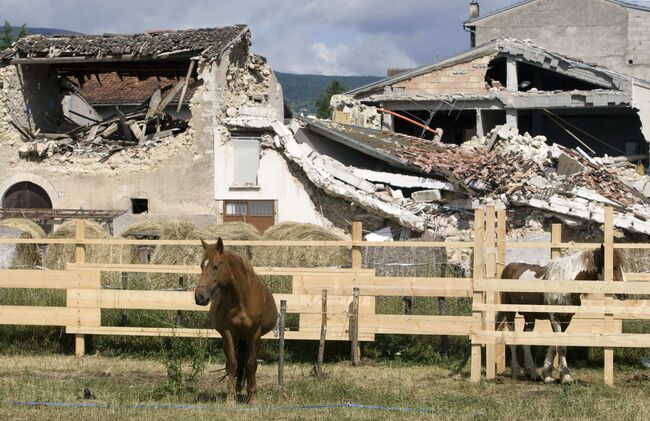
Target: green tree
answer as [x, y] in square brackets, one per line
[22, 32]
[323, 102]
[5, 38]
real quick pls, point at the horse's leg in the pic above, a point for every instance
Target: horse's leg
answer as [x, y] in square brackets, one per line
[507, 319]
[529, 325]
[242, 357]
[231, 365]
[547, 372]
[564, 368]
[251, 366]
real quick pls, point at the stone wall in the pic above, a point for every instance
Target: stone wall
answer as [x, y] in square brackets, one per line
[593, 31]
[638, 50]
[462, 78]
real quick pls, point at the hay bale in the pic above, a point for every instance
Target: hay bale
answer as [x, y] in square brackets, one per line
[175, 255]
[301, 256]
[140, 229]
[58, 256]
[25, 255]
[238, 231]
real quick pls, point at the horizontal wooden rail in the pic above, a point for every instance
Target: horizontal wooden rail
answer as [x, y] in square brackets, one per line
[640, 311]
[50, 279]
[622, 340]
[552, 286]
[385, 286]
[199, 333]
[48, 316]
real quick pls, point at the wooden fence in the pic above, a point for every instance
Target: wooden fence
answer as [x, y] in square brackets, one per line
[597, 323]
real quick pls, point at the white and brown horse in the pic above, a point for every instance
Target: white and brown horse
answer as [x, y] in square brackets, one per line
[582, 266]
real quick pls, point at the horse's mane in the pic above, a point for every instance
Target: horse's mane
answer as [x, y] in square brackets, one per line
[568, 267]
[243, 260]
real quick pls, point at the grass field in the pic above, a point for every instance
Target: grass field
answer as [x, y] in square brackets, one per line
[119, 384]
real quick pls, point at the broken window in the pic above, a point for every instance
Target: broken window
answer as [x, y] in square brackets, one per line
[139, 206]
[246, 160]
[259, 213]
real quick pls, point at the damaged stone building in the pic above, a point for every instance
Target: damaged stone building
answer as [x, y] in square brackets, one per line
[137, 124]
[507, 81]
[611, 33]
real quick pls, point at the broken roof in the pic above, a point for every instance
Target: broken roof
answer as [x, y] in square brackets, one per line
[113, 89]
[208, 43]
[632, 4]
[523, 51]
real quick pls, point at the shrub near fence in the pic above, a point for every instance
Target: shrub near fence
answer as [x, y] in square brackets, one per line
[85, 296]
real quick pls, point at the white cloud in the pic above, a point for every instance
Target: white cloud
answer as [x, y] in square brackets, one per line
[307, 36]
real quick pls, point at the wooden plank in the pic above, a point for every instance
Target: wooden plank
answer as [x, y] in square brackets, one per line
[398, 324]
[562, 286]
[478, 268]
[490, 272]
[623, 340]
[641, 311]
[153, 104]
[556, 237]
[501, 261]
[50, 279]
[182, 332]
[608, 276]
[187, 80]
[386, 286]
[184, 300]
[80, 236]
[169, 96]
[48, 316]
[147, 268]
[357, 235]
[636, 277]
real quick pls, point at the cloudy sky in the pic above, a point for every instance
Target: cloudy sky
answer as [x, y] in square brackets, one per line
[334, 37]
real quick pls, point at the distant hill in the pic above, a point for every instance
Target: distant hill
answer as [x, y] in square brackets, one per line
[302, 91]
[43, 31]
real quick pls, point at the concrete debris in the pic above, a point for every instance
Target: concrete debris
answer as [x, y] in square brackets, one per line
[384, 234]
[348, 110]
[401, 180]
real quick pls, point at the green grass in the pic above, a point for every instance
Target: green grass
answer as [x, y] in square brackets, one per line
[129, 381]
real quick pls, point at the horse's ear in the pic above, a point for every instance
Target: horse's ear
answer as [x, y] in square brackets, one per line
[219, 245]
[204, 244]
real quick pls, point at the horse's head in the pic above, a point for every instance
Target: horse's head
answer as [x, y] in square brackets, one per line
[619, 276]
[215, 272]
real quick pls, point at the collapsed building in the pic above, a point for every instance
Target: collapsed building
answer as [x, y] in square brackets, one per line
[135, 123]
[514, 82]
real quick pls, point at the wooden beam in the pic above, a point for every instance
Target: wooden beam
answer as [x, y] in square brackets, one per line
[478, 268]
[187, 80]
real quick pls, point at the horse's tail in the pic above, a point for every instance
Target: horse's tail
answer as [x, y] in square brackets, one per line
[501, 320]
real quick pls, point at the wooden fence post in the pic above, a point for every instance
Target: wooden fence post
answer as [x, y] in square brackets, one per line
[490, 272]
[323, 335]
[556, 237]
[357, 235]
[125, 285]
[354, 328]
[80, 257]
[478, 267]
[179, 316]
[608, 275]
[500, 264]
[283, 314]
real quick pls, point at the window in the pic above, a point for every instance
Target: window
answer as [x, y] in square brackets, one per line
[259, 213]
[139, 206]
[246, 157]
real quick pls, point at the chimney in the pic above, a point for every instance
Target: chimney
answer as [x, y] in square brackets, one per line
[474, 9]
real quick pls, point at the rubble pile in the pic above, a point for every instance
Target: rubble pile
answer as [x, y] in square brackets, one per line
[507, 169]
[143, 127]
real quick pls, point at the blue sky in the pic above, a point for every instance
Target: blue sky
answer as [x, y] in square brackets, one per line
[336, 37]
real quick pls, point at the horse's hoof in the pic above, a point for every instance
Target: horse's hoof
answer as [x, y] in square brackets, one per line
[549, 380]
[566, 379]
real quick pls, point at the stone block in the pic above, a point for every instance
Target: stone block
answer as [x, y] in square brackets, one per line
[427, 196]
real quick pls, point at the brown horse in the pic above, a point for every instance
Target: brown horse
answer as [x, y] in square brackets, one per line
[242, 310]
[587, 265]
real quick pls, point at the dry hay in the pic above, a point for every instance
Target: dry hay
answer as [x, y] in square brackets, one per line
[300, 256]
[147, 228]
[175, 255]
[237, 231]
[26, 255]
[58, 256]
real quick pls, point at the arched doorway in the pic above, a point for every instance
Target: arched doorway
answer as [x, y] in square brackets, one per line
[26, 195]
